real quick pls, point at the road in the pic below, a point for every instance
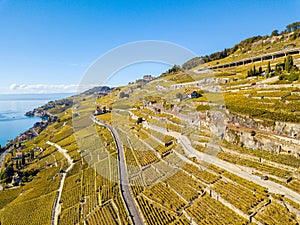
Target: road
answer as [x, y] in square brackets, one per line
[57, 207]
[125, 188]
[232, 168]
[3, 155]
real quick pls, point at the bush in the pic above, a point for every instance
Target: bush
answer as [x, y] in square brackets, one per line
[139, 120]
[203, 107]
[293, 76]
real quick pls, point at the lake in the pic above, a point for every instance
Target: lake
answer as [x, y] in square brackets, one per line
[12, 110]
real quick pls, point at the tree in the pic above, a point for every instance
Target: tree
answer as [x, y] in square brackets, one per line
[23, 160]
[122, 94]
[260, 71]
[274, 33]
[179, 96]
[293, 27]
[9, 172]
[289, 63]
[32, 154]
[139, 120]
[174, 69]
[250, 73]
[269, 67]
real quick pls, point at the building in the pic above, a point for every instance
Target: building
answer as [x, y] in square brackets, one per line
[16, 179]
[192, 94]
[98, 111]
[19, 155]
[101, 110]
[148, 78]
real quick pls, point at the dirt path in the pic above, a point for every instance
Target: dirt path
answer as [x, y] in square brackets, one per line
[57, 207]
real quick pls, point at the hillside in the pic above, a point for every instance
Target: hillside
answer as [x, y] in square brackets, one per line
[194, 146]
[252, 47]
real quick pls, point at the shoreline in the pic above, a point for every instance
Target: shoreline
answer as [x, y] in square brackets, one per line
[45, 119]
[47, 98]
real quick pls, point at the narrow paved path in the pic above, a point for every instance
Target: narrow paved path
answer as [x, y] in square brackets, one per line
[124, 181]
[230, 167]
[57, 207]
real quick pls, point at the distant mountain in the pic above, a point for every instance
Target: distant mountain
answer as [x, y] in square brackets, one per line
[97, 90]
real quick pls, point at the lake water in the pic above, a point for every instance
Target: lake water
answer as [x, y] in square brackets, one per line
[12, 110]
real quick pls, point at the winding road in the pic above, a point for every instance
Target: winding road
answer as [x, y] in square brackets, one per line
[125, 188]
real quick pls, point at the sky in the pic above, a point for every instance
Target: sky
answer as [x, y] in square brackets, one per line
[47, 46]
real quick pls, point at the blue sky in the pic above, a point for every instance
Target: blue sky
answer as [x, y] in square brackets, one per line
[52, 43]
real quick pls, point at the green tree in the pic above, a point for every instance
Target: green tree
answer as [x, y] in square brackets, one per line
[139, 120]
[269, 67]
[9, 172]
[293, 76]
[122, 94]
[32, 154]
[293, 27]
[174, 69]
[23, 160]
[274, 33]
[289, 63]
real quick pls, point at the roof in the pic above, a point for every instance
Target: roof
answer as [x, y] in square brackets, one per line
[190, 92]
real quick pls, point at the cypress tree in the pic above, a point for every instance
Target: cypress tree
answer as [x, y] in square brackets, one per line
[23, 160]
[289, 63]
[269, 67]
[32, 154]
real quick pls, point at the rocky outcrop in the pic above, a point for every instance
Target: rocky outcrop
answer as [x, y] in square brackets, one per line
[290, 130]
[256, 140]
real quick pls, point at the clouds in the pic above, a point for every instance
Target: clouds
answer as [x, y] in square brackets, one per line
[44, 88]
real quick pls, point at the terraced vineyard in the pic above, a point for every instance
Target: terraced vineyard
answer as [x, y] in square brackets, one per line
[191, 188]
[154, 214]
[256, 165]
[239, 196]
[272, 156]
[202, 175]
[165, 196]
[146, 157]
[213, 208]
[165, 137]
[106, 214]
[150, 175]
[279, 215]
[28, 212]
[294, 185]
